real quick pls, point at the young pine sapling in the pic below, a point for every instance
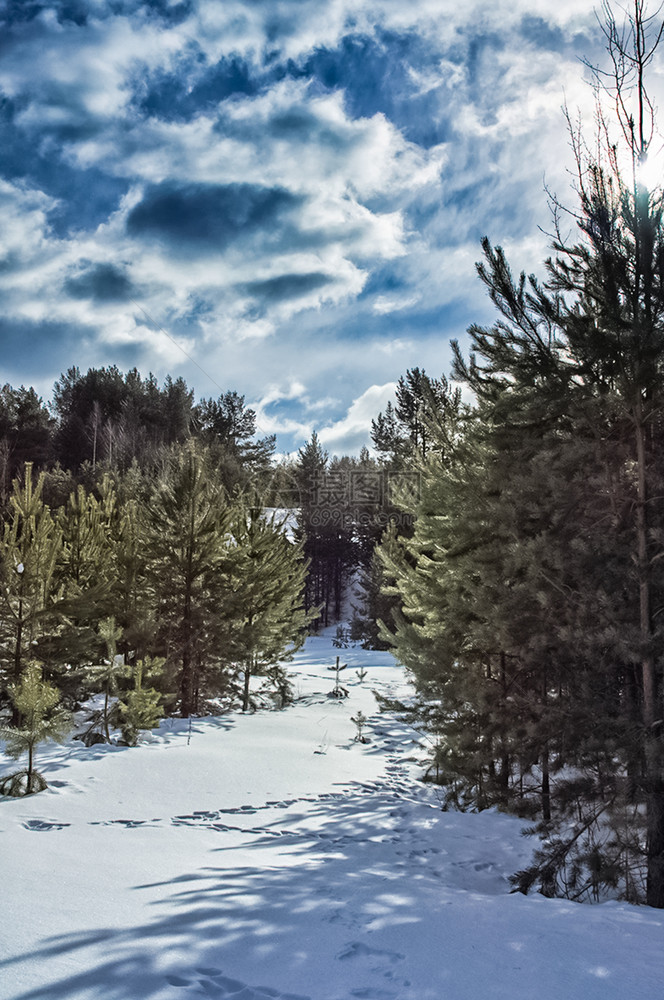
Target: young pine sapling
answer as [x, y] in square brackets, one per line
[40, 718]
[142, 706]
[339, 691]
[360, 721]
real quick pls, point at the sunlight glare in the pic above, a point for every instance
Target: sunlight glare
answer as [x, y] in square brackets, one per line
[650, 172]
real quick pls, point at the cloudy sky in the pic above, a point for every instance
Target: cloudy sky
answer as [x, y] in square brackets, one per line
[281, 197]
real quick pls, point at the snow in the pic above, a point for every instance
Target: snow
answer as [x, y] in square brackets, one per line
[271, 856]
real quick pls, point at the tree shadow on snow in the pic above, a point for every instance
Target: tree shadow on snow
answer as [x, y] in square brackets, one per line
[331, 870]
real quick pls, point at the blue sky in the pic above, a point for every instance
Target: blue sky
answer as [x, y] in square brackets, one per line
[280, 197]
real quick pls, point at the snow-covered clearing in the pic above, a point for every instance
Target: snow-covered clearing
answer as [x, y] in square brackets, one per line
[270, 857]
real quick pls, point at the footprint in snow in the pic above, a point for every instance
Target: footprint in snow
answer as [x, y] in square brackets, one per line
[216, 984]
[358, 950]
[477, 866]
[44, 824]
[178, 981]
[369, 993]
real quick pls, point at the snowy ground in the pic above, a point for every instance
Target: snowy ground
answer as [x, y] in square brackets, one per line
[270, 857]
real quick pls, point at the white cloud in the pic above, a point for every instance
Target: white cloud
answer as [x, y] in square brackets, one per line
[384, 304]
[382, 231]
[348, 435]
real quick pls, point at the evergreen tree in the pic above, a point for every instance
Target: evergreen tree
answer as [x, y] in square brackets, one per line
[534, 571]
[133, 596]
[141, 708]
[227, 427]
[188, 544]
[311, 469]
[388, 437]
[87, 570]
[372, 604]
[25, 433]
[106, 674]
[402, 433]
[30, 547]
[40, 719]
[176, 410]
[267, 621]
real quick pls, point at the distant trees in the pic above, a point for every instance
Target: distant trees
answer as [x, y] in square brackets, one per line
[26, 429]
[402, 434]
[342, 514]
[315, 529]
[105, 416]
[227, 427]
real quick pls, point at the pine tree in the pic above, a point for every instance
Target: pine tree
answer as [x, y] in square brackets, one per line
[388, 436]
[106, 674]
[132, 597]
[25, 432]
[141, 708]
[313, 524]
[545, 571]
[35, 702]
[227, 427]
[267, 573]
[30, 590]
[403, 432]
[188, 547]
[87, 572]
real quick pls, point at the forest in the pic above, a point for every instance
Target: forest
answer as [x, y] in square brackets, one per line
[505, 539]
[153, 552]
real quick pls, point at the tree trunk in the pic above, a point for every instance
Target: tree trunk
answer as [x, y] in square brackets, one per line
[106, 729]
[187, 682]
[654, 778]
[655, 837]
[18, 659]
[546, 786]
[247, 678]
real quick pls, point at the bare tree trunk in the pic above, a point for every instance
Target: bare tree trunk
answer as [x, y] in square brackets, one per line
[247, 678]
[652, 722]
[546, 786]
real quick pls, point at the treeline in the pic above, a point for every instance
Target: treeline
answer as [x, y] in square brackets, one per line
[106, 422]
[107, 419]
